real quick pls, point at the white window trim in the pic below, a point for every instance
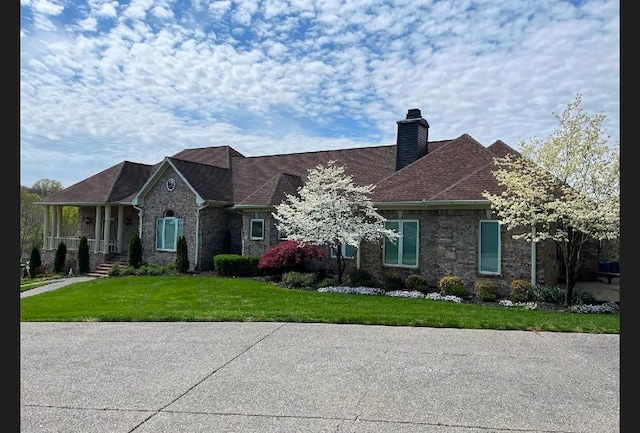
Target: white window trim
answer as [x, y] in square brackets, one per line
[480, 271]
[255, 238]
[399, 244]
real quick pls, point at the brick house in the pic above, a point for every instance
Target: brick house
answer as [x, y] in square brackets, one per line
[221, 201]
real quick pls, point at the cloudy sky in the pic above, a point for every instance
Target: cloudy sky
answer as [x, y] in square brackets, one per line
[106, 81]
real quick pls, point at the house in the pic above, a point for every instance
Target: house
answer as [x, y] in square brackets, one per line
[222, 201]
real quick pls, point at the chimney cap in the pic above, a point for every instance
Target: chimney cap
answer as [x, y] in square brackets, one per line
[414, 113]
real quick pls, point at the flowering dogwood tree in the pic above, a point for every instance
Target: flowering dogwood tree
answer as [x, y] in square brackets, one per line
[566, 188]
[330, 210]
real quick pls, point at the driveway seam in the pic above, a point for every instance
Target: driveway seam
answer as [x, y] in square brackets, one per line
[191, 388]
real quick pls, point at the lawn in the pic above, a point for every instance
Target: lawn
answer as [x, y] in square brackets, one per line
[218, 299]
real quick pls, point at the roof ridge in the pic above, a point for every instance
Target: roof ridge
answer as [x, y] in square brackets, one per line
[320, 151]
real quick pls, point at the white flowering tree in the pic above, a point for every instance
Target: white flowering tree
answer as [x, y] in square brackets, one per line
[330, 210]
[565, 188]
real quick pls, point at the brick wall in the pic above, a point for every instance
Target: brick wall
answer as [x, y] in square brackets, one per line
[157, 202]
[449, 246]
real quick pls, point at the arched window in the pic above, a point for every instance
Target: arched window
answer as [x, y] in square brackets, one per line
[168, 230]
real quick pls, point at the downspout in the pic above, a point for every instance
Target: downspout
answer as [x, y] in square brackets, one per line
[140, 219]
[197, 252]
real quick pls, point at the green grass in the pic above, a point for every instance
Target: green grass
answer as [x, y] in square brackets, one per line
[204, 299]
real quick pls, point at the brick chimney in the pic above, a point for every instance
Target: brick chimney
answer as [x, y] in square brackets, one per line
[413, 135]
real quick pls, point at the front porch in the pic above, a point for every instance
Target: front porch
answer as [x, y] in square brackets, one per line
[108, 228]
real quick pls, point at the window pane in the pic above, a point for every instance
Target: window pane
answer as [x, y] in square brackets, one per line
[159, 236]
[489, 246]
[180, 229]
[170, 234]
[410, 243]
[391, 248]
[349, 251]
[256, 229]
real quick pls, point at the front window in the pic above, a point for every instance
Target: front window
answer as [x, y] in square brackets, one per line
[404, 251]
[489, 247]
[168, 230]
[257, 229]
[348, 251]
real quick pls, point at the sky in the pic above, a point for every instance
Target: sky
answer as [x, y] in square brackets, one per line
[103, 82]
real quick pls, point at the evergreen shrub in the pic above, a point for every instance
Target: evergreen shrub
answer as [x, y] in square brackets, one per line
[452, 285]
[59, 258]
[486, 290]
[83, 256]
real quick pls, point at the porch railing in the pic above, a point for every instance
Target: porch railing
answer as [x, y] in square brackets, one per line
[72, 244]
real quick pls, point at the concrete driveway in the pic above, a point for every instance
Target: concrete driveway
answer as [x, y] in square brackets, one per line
[290, 377]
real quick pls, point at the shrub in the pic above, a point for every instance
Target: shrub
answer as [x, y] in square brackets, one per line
[327, 282]
[182, 257]
[392, 280]
[151, 269]
[486, 290]
[550, 294]
[519, 290]
[129, 270]
[289, 256]
[114, 271]
[135, 251]
[298, 280]
[236, 265]
[580, 297]
[452, 285]
[360, 278]
[83, 255]
[416, 282]
[35, 261]
[59, 258]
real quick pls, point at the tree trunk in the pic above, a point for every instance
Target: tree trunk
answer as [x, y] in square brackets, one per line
[339, 266]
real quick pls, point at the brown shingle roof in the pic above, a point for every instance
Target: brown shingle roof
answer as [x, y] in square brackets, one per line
[450, 172]
[274, 191]
[210, 182]
[218, 156]
[116, 184]
[458, 169]
[367, 165]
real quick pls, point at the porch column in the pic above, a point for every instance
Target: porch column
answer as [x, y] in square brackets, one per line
[98, 228]
[119, 246]
[107, 228]
[54, 227]
[47, 231]
[59, 221]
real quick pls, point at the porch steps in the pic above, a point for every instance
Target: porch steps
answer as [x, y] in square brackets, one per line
[102, 270]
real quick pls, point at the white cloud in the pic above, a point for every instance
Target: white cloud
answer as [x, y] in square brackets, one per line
[104, 82]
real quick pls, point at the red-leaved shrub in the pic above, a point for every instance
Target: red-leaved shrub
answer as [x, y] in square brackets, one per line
[289, 256]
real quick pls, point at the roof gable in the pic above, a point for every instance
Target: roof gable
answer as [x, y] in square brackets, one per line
[116, 184]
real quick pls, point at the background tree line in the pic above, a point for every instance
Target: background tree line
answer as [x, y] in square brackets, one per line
[32, 215]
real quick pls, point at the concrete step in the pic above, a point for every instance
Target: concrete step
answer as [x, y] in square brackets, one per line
[103, 269]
